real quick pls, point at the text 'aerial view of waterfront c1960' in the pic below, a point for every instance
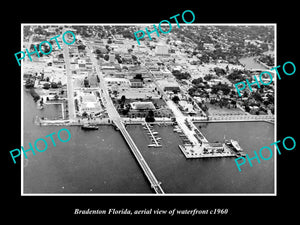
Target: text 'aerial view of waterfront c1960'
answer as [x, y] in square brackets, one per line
[161, 117]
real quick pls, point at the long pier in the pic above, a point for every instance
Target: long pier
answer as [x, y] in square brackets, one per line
[155, 184]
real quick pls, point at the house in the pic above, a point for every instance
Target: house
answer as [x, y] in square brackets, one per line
[136, 83]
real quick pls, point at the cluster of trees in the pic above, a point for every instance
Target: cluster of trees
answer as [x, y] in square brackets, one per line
[203, 106]
[86, 82]
[267, 59]
[81, 47]
[236, 76]
[29, 83]
[76, 104]
[223, 87]
[220, 71]
[52, 85]
[208, 77]
[176, 99]
[85, 31]
[150, 116]
[199, 90]
[197, 81]
[224, 102]
[124, 108]
[102, 53]
[45, 48]
[181, 75]
[27, 31]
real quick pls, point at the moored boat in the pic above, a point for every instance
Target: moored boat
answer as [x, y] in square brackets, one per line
[236, 145]
[89, 127]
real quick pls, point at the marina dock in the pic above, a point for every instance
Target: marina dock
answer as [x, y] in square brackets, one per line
[153, 138]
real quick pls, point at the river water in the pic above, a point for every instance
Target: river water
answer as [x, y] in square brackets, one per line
[99, 161]
[251, 64]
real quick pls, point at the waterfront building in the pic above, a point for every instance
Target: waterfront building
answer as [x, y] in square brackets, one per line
[89, 103]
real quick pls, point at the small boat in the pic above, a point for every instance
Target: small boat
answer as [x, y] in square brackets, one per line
[152, 145]
[154, 132]
[89, 127]
[236, 145]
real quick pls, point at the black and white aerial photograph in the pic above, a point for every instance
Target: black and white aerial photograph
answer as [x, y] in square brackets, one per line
[159, 116]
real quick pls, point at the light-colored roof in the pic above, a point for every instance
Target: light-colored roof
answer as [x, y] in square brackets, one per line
[142, 105]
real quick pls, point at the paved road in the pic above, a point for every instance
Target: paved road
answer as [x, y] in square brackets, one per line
[70, 90]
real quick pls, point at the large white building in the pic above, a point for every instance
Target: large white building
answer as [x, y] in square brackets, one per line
[162, 50]
[90, 104]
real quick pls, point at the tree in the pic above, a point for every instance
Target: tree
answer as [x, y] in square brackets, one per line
[123, 98]
[82, 47]
[134, 57]
[76, 104]
[84, 114]
[46, 86]
[257, 96]
[106, 57]
[86, 82]
[236, 75]
[197, 81]
[208, 77]
[175, 99]
[247, 108]
[138, 76]
[54, 85]
[219, 71]
[245, 94]
[180, 75]
[223, 87]
[150, 116]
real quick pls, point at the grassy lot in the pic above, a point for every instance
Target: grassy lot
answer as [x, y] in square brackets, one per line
[162, 110]
[216, 110]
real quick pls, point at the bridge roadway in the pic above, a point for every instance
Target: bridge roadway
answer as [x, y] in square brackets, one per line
[70, 90]
[114, 115]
